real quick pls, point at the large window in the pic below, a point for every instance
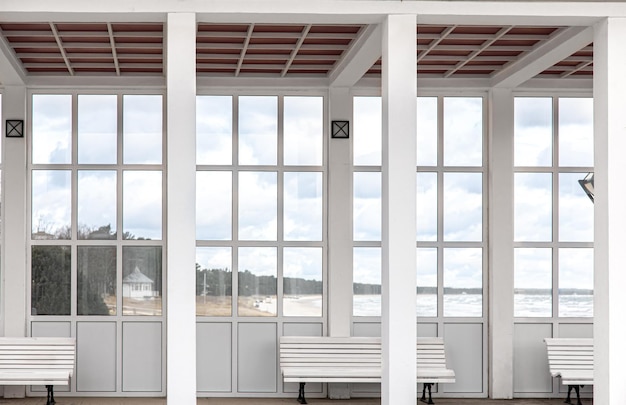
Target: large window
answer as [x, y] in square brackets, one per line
[553, 215]
[259, 202]
[96, 204]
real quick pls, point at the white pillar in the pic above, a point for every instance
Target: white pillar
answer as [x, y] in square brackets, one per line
[501, 259]
[181, 209]
[14, 234]
[399, 96]
[609, 88]
[340, 228]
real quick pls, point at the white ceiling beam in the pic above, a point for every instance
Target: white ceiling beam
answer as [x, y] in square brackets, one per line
[11, 73]
[544, 56]
[365, 51]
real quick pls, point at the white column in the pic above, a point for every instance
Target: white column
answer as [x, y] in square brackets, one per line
[399, 95]
[609, 89]
[501, 244]
[340, 228]
[181, 209]
[14, 234]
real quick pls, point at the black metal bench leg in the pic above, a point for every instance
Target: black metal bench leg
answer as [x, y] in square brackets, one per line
[577, 388]
[301, 394]
[430, 394]
[50, 399]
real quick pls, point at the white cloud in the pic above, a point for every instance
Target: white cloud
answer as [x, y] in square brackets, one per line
[142, 215]
[258, 205]
[261, 261]
[51, 200]
[97, 198]
[214, 205]
[305, 262]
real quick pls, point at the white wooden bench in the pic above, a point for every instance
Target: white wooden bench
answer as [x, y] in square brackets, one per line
[355, 360]
[572, 360]
[37, 361]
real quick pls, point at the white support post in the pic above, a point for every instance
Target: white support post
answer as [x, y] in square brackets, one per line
[501, 258]
[340, 228]
[399, 96]
[181, 209]
[609, 88]
[14, 234]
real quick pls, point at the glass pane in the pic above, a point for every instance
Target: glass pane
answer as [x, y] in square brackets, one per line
[426, 206]
[257, 281]
[303, 206]
[214, 281]
[304, 130]
[368, 131]
[463, 282]
[576, 282]
[143, 129]
[533, 282]
[52, 128]
[142, 280]
[463, 206]
[214, 130]
[533, 207]
[97, 129]
[427, 131]
[97, 282]
[52, 202]
[97, 204]
[426, 281]
[214, 205]
[258, 130]
[575, 210]
[367, 280]
[533, 131]
[302, 281]
[463, 131]
[367, 206]
[142, 205]
[50, 284]
[258, 205]
[576, 132]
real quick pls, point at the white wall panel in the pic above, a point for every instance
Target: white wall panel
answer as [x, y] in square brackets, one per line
[257, 357]
[576, 330]
[302, 329]
[214, 357]
[464, 354]
[426, 329]
[369, 329]
[141, 356]
[95, 356]
[530, 359]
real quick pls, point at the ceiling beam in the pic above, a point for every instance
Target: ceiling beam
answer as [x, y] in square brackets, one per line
[11, 73]
[547, 54]
[365, 51]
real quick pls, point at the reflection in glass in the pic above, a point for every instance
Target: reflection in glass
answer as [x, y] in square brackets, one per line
[142, 280]
[97, 203]
[427, 131]
[367, 281]
[257, 281]
[258, 205]
[576, 132]
[97, 129]
[575, 210]
[463, 282]
[426, 281]
[143, 129]
[302, 281]
[533, 282]
[52, 128]
[533, 131]
[367, 224]
[214, 281]
[303, 206]
[463, 206]
[303, 139]
[368, 131]
[97, 292]
[214, 129]
[258, 130]
[463, 131]
[142, 205]
[533, 207]
[576, 282]
[214, 196]
[426, 203]
[50, 280]
[51, 204]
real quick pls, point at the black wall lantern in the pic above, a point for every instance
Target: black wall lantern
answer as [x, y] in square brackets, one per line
[340, 129]
[14, 128]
